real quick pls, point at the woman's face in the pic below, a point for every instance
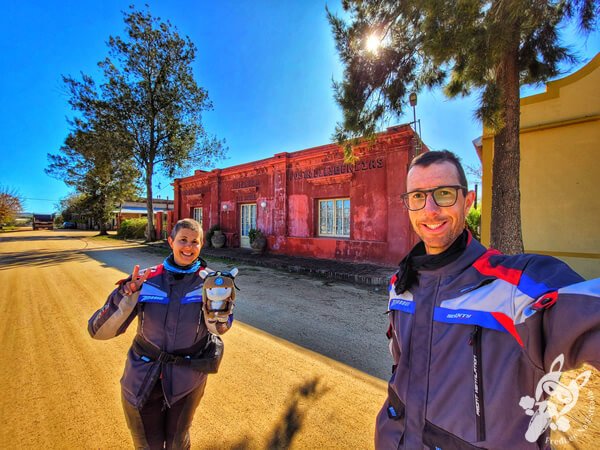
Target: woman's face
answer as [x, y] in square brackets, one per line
[186, 246]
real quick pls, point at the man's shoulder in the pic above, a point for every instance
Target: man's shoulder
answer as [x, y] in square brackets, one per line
[527, 267]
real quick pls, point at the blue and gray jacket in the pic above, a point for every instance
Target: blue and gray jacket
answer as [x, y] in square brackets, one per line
[475, 344]
[169, 312]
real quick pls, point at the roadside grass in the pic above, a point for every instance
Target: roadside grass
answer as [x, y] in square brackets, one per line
[10, 228]
[106, 237]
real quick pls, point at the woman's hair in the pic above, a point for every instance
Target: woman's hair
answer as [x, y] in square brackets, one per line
[188, 224]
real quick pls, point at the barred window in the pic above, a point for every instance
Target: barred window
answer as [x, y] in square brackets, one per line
[334, 217]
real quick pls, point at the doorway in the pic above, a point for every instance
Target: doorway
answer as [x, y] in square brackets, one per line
[247, 222]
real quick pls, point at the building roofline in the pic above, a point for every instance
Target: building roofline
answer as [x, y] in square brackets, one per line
[553, 87]
[298, 154]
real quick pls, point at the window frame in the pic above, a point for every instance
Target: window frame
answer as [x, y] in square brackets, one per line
[336, 233]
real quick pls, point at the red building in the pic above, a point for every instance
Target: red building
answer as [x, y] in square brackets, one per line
[310, 202]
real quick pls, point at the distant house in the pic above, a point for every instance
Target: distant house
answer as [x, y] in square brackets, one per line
[137, 209]
[560, 149]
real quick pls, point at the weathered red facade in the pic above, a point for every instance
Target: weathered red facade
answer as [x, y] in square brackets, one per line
[288, 189]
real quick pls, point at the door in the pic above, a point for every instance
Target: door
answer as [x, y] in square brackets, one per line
[247, 222]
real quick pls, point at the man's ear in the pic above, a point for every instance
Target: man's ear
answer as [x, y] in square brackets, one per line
[469, 200]
[170, 241]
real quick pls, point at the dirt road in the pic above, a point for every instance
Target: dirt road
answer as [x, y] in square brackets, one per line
[60, 388]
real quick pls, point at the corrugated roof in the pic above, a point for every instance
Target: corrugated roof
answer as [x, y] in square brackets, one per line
[138, 210]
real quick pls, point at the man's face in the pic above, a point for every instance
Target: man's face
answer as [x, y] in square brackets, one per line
[438, 227]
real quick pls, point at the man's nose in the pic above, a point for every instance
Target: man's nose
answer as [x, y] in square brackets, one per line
[430, 204]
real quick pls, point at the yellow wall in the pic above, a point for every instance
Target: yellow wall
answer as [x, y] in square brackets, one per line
[560, 171]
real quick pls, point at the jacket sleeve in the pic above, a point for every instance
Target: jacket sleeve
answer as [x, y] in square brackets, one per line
[115, 316]
[571, 326]
[563, 320]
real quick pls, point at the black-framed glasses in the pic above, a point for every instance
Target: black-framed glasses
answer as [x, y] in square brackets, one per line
[443, 196]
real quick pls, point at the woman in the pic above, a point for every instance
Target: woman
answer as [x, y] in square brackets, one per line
[176, 345]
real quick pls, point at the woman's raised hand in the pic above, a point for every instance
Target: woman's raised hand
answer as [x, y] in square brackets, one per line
[136, 281]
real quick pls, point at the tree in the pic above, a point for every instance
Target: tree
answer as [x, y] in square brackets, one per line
[11, 204]
[149, 96]
[489, 47]
[97, 164]
[72, 207]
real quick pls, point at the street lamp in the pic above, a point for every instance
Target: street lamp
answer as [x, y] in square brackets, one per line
[412, 99]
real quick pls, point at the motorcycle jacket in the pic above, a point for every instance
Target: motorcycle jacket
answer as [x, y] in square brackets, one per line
[170, 321]
[474, 345]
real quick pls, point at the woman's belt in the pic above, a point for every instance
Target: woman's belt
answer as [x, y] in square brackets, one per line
[204, 356]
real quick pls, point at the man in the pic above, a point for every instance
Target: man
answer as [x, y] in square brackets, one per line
[474, 331]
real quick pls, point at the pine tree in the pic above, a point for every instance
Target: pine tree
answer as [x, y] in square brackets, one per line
[488, 47]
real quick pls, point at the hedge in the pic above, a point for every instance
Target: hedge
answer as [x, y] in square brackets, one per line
[133, 228]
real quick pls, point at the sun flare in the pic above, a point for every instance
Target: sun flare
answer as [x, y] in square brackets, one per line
[373, 43]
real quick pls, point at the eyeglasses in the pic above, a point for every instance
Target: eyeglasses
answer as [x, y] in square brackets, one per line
[443, 196]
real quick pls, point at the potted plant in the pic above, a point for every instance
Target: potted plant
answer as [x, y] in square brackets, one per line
[258, 241]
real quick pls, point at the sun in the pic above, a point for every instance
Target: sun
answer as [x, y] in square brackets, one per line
[373, 43]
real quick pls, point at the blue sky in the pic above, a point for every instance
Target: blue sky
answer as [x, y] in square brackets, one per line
[267, 66]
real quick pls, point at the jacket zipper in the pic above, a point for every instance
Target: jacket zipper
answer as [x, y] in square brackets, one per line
[475, 342]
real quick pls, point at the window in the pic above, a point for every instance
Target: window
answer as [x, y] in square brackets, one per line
[197, 215]
[334, 217]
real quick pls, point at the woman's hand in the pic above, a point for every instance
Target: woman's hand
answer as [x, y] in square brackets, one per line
[134, 285]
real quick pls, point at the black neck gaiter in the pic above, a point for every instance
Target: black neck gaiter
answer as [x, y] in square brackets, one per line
[417, 260]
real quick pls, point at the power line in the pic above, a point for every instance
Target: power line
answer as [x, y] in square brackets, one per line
[40, 199]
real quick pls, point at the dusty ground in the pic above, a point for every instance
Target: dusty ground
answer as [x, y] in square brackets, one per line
[60, 388]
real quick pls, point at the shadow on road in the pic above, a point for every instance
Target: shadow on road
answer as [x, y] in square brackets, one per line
[290, 424]
[293, 323]
[38, 259]
[17, 238]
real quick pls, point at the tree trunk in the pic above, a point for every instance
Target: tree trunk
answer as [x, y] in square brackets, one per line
[506, 197]
[150, 232]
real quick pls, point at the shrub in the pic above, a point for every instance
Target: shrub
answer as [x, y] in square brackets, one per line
[133, 228]
[253, 233]
[474, 222]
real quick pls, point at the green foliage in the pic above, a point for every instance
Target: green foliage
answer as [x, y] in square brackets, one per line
[132, 228]
[75, 205]
[149, 100]
[11, 204]
[462, 46]
[474, 222]
[210, 233]
[95, 163]
[253, 233]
